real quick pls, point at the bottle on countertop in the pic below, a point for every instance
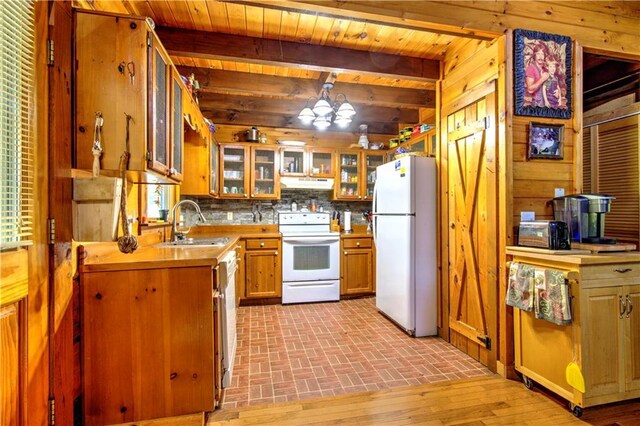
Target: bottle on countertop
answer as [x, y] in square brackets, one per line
[294, 206]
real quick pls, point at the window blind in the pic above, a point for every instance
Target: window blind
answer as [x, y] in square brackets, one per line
[17, 65]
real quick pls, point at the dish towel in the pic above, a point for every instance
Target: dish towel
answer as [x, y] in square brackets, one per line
[521, 291]
[552, 299]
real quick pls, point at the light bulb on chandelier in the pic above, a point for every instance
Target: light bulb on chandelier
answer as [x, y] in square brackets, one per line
[325, 111]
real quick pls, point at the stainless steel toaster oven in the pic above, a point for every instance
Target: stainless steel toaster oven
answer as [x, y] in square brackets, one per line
[549, 234]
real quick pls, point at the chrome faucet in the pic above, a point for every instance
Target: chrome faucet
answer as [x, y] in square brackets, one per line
[181, 235]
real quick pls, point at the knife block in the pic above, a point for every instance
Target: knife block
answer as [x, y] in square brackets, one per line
[335, 226]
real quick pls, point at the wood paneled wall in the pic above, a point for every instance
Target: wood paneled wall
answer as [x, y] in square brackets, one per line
[534, 180]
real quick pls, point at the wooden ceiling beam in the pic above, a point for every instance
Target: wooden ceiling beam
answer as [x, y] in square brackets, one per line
[365, 113]
[219, 81]
[212, 45]
[262, 119]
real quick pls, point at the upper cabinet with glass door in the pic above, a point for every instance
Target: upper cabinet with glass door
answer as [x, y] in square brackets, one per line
[234, 171]
[264, 177]
[349, 167]
[372, 161]
[293, 161]
[321, 163]
[141, 85]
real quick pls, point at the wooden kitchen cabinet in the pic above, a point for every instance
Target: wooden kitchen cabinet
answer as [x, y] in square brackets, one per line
[13, 338]
[201, 174]
[309, 161]
[249, 171]
[357, 266]
[263, 268]
[603, 338]
[234, 169]
[122, 68]
[265, 179]
[150, 343]
[424, 143]
[357, 174]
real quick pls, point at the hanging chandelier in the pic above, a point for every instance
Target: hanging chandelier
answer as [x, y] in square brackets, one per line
[325, 111]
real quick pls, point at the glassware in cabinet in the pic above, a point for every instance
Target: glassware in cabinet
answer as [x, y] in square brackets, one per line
[234, 167]
[264, 179]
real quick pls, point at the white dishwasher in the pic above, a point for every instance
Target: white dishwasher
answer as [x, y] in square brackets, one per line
[228, 266]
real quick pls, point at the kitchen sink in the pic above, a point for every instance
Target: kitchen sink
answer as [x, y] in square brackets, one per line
[198, 242]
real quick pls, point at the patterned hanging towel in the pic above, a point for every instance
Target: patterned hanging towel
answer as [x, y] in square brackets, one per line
[520, 291]
[552, 299]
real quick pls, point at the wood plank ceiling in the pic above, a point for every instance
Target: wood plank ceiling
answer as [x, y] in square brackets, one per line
[259, 65]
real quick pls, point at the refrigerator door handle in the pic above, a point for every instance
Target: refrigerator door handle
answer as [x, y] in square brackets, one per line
[374, 228]
[375, 197]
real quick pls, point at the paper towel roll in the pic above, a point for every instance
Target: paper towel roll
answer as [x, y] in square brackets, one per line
[347, 222]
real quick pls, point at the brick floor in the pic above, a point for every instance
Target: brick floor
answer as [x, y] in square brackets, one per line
[294, 352]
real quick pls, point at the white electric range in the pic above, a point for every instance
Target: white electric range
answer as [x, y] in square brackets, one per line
[310, 258]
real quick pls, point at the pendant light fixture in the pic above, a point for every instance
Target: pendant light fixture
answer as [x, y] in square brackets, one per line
[325, 111]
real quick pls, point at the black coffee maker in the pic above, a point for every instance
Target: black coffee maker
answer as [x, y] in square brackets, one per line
[584, 216]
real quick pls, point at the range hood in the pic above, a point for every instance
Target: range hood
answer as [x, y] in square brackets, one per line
[321, 184]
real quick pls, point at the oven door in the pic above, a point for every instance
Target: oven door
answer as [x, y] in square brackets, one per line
[310, 258]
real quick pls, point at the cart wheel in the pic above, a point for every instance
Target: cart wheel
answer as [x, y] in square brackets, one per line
[576, 410]
[528, 383]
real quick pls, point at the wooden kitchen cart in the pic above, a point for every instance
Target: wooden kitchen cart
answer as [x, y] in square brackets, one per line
[603, 339]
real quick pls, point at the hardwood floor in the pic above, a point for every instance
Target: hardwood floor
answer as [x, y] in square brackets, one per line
[476, 401]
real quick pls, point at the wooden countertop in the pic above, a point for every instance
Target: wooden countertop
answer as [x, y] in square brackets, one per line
[356, 234]
[154, 256]
[579, 259]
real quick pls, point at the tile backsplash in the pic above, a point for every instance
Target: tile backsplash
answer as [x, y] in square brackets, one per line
[216, 211]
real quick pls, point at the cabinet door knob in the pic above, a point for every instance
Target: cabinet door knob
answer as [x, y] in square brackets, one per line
[345, 253]
[630, 305]
[357, 244]
[261, 244]
[359, 196]
[252, 195]
[623, 307]
[275, 253]
[245, 195]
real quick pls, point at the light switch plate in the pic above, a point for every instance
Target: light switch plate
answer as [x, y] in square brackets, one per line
[229, 215]
[559, 192]
[527, 216]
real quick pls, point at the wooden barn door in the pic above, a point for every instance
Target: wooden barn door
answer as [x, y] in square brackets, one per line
[473, 237]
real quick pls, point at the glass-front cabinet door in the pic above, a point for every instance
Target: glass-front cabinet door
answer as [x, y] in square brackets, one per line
[264, 174]
[214, 166]
[158, 159]
[372, 160]
[347, 187]
[235, 166]
[293, 162]
[321, 163]
[177, 128]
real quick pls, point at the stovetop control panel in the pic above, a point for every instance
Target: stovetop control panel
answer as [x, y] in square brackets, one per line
[304, 218]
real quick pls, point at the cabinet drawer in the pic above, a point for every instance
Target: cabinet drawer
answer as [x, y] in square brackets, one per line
[262, 243]
[614, 274]
[350, 243]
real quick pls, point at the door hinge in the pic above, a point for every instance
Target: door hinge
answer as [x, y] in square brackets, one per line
[51, 226]
[52, 411]
[486, 340]
[50, 52]
[148, 39]
[148, 156]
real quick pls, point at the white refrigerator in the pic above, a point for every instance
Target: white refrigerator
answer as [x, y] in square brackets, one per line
[404, 230]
